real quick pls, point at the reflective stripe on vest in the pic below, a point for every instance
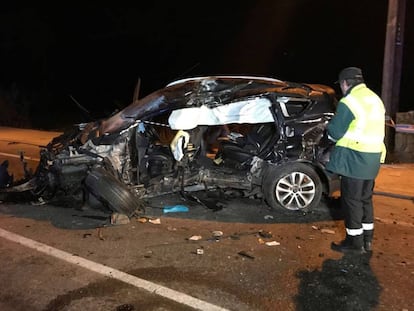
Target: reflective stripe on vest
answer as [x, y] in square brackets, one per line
[366, 132]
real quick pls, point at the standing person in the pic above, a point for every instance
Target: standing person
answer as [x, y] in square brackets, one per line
[6, 179]
[358, 128]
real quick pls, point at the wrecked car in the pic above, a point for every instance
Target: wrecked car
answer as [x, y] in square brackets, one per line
[262, 137]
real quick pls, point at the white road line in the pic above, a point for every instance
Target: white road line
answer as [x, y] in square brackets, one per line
[112, 273]
[12, 155]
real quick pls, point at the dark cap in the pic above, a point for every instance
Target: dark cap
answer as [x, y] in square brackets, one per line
[350, 73]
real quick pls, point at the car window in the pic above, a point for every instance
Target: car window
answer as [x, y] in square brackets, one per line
[292, 107]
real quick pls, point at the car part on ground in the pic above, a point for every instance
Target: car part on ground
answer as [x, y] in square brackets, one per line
[112, 192]
[269, 142]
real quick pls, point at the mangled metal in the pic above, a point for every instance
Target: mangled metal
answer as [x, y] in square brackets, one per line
[157, 145]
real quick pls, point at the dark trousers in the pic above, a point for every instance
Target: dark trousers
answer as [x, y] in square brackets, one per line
[356, 200]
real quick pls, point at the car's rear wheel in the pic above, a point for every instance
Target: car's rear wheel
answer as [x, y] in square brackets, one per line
[113, 193]
[292, 187]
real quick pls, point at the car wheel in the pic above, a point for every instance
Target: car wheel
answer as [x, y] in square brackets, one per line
[113, 193]
[293, 187]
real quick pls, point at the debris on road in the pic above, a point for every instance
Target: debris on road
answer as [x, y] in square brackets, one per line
[154, 221]
[119, 219]
[217, 234]
[142, 220]
[272, 243]
[175, 209]
[195, 238]
[265, 234]
[245, 254]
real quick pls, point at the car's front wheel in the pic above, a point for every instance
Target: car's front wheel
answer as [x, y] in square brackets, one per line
[112, 193]
[292, 187]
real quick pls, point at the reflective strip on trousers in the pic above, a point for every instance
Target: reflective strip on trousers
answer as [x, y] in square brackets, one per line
[368, 226]
[354, 232]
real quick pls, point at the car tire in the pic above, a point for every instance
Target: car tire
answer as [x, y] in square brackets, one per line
[113, 193]
[293, 187]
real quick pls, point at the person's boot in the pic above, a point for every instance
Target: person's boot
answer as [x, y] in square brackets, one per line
[368, 234]
[351, 244]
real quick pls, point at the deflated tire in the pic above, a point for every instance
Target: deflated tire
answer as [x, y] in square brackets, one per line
[113, 193]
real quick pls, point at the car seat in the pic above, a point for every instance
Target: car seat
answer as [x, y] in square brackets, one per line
[252, 144]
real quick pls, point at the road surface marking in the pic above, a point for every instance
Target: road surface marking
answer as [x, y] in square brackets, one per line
[112, 273]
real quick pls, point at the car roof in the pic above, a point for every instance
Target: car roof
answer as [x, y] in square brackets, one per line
[210, 91]
[224, 77]
[215, 90]
[241, 85]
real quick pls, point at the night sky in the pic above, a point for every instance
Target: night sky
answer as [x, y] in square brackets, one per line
[97, 53]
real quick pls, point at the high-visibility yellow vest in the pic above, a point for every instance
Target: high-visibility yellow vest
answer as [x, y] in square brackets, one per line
[366, 132]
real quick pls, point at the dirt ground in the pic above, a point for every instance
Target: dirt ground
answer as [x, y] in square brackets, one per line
[262, 261]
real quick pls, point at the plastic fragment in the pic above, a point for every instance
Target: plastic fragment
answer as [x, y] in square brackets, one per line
[119, 219]
[272, 243]
[175, 209]
[155, 221]
[195, 238]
